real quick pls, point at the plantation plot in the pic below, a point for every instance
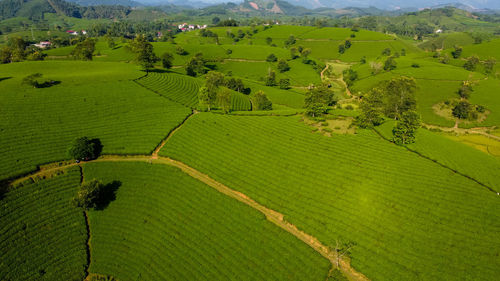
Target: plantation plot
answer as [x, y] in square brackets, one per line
[419, 220]
[42, 236]
[93, 99]
[179, 88]
[165, 225]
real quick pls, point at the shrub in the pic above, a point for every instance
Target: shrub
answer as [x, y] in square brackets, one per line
[89, 195]
[261, 102]
[283, 65]
[85, 149]
[271, 58]
[462, 110]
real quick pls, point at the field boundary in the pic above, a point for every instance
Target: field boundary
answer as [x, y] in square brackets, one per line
[440, 164]
[271, 215]
[154, 154]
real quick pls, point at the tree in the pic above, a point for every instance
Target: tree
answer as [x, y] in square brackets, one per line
[390, 64]
[269, 40]
[284, 83]
[5, 55]
[271, 58]
[341, 49]
[372, 107]
[406, 128]
[166, 60]
[283, 65]
[261, 102]
[489, 65]
[347, 44]
[89, 195]
[400, 96]
[294, 53]
[462, 110]
[224, 99]
[196, 65]
[110, 41]
[32, 80]
[180, 51]
[290, 41]
[144, 53]
[386, 52]
[471, 63]
[305, 52]
[215, 20]
[85, 149]
[271, 78]
[317, 99]
[206, 97]
[18, 47]
[236, 84]
[457, 52]
[465, 90]
[214, 79]
[350, 76]
[84, 50]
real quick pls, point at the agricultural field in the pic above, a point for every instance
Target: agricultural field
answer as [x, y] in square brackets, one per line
[187, 225]
[352, 187]
[220, 162]
[95, 99]
[43, 235]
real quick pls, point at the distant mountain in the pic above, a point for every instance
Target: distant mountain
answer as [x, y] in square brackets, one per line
[127, 3]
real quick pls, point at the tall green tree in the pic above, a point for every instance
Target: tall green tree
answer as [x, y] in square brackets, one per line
[206, 97]
[372, 108]
[89, 195]
[167, 60]
[400, 96]
[283, 65]
[224, 99]
[261, 102]
[84, 50]
[406, 128]
[144, 53]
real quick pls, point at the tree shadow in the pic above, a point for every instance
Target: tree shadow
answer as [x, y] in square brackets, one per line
[108, 195]
[4, 78]
[97, 145]
[4, 185]
[159, 70]
[48, 84]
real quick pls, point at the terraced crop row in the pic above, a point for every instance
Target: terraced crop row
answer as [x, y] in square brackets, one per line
[165, 225]
[409, 218]
[42, 236]
[180, 88]
[38, 125]
[240, 102]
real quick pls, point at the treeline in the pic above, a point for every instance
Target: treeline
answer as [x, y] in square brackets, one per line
[35, 11]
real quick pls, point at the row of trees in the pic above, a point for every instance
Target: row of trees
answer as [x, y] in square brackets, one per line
[17, 49]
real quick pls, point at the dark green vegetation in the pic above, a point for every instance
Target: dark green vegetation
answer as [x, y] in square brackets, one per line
[302, 119]
[167, 225]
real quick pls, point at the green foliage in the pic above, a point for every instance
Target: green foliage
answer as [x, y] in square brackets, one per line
[43, 236]
[386, 52]
[283, 66]
[463, 110]
[457, 52]
[166, 60]
[207, 98]
[271, 58]
[406, 128]
[284, 83]
[261, 102]
[390, 64]
[85, 149]
[350, 76]
[471, 63]
[341, 48]
[32, 80]
[465, 90]
[271, 78]
[90, 195]
[144, 53]
[320, 94]
[196, 66]
[400, 96]
[372, 109]
[489, 65]
[290, 41]
[224, 99]
[84, 50]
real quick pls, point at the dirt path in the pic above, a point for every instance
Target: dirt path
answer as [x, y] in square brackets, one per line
[462, 131]
[339, 79]
[154, 155]
[271, 215]
[244, 60]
